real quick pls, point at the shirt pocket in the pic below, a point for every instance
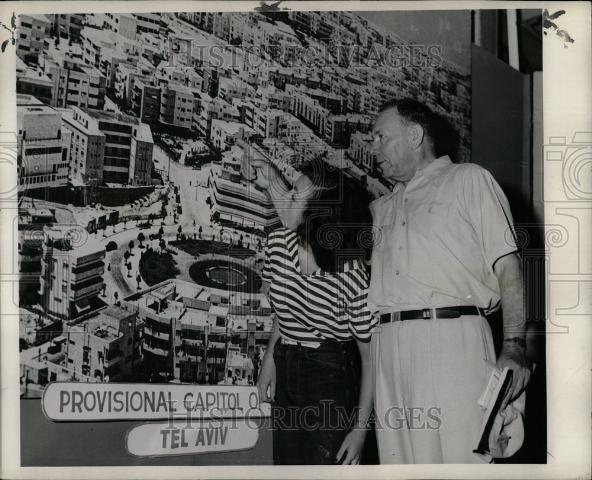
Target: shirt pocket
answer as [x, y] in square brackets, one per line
[431, 213]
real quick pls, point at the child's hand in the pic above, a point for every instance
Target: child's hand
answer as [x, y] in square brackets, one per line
[260, 179]
[351, 447]
[266, 380]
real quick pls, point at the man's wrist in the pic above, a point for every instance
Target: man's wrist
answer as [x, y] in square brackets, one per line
[515, 341]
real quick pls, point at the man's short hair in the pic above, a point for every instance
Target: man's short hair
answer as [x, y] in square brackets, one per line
[444, 139]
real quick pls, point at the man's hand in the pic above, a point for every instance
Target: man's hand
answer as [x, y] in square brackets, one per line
[266, 380]
[352, 447]
[513, 356]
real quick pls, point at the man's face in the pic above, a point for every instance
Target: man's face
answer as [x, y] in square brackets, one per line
[391, 145]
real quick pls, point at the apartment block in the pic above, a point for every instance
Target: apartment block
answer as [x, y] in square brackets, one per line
[145, 101]
[104, 347]
[360, 151]
[87, 148]
[33, 82]
[72, 266]
[339, 128]
[96, 43]
[118, 146]
[188, 329]
[150, 22]
[225, 134]
[32, 31]
[123, 23]
[31, 222]
[68, 25]
[74, 82]
[42, 145]
[235, 201]
[176, 105]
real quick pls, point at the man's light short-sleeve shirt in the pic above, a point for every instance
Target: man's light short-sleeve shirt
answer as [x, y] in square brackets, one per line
[438, 239]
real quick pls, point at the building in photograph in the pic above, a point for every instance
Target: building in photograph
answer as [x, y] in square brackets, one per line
[123, 23]
[36, 329]
[188, 329]
[176, 105]
[225, 134]
[32, 31]
[68, 25]
[207, 109]
[31, 222]
[360, 151]
[339, 128]
[72, 266]
[74, 82]
[125, 75]
[154, 23]
[109, 147]
[104, 347]
[87, 148]
[97, 43]
[145, 101]
[42, 145]
[34, 82]
[236, 201]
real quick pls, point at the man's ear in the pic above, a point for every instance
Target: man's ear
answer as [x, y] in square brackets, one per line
[415, 135]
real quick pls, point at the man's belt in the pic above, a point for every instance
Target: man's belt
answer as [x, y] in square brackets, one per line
[428, 313]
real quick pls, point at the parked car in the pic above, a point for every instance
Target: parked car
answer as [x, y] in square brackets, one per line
[154, 236]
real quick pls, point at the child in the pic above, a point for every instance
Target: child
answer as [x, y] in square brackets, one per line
[318, 282]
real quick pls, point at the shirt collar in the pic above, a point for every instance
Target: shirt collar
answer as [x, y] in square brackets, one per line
[434, 167]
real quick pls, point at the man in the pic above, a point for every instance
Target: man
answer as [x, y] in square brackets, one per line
[445, 256]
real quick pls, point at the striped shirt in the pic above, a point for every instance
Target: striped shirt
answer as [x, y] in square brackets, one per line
[316, 307]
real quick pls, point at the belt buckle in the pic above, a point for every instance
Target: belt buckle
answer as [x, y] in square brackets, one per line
[426, 313]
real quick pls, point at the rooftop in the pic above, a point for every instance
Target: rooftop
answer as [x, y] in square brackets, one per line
[68, 119]
[40, 18]
[24, 100]
[231, 128]
[75, 240]
[112, 116]
[116, 312]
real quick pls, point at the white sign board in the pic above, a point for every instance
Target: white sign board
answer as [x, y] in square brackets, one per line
[181, 438]
[82, 402]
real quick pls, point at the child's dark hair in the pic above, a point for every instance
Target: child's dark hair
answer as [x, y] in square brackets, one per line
[337, 222]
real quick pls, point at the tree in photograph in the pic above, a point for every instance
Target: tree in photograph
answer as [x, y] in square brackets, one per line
[138, 279]
[156, 267]
[179, 232]
[141, 238]
[116, 296]
[161, 231]
[162, 245]
[126, 256]
[130, 245]
[129, 269]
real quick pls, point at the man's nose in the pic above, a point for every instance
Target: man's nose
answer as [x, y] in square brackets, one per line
[374, 145]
